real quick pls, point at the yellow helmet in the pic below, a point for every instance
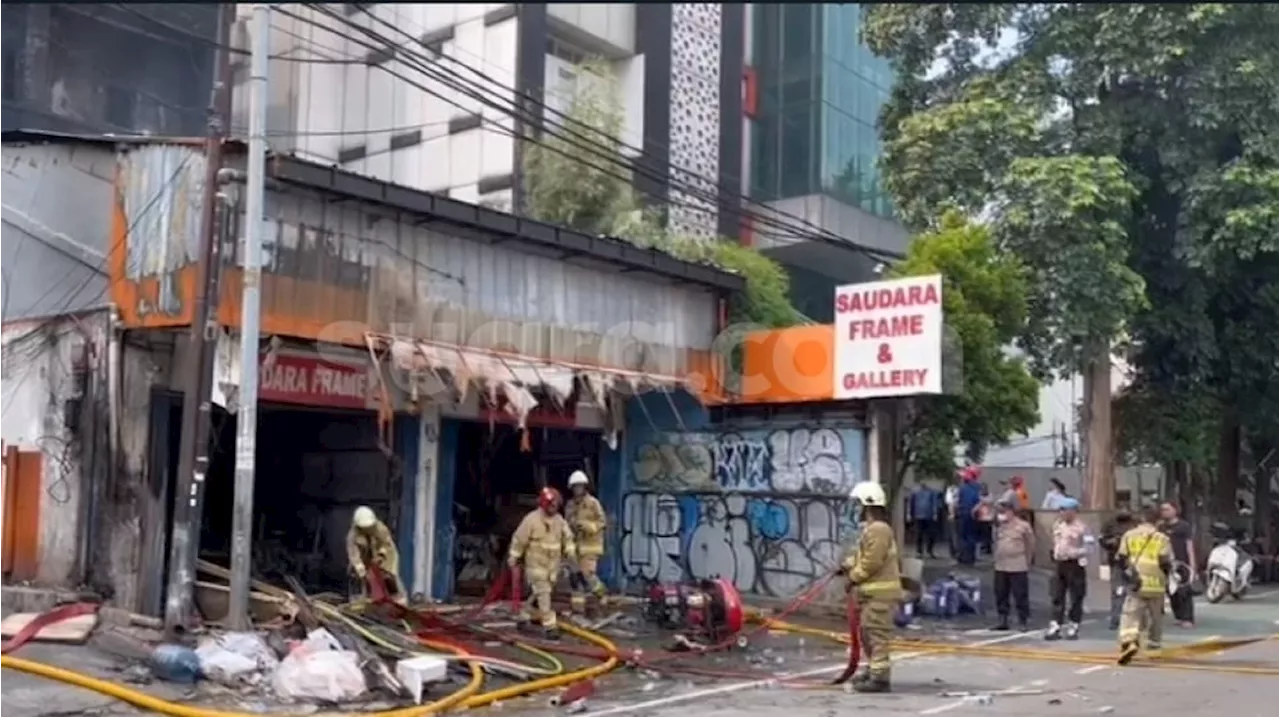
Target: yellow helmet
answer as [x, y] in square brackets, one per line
[868, 493]
[364, 517]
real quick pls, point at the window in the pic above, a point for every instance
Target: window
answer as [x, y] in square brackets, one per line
[567, 51]
[9, 82]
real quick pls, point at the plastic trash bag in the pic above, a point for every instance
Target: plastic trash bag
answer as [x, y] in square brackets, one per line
[235, 657]
[319, 674]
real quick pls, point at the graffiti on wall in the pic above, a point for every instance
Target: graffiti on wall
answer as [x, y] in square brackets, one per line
[768, 544]
[796, 460]
[767, 509]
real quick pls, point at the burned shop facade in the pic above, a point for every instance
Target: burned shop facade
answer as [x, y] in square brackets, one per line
[434, 360]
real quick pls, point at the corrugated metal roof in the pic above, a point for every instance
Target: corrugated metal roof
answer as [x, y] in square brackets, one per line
[340, 181]
[36, 135]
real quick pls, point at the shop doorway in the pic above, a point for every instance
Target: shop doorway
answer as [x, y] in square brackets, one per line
[499, 471]
[314, 467]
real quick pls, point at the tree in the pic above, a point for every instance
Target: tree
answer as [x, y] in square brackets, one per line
[569, 183]
[1127, 153]
[984, 303]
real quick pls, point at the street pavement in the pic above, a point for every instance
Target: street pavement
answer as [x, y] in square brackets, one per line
[924, 684]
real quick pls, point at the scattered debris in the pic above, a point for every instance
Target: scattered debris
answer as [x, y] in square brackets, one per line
[314, 673]
[175, 663]
[72, 630]
[236, 658]
[576, 707]
[416, 672]
[1105, 709]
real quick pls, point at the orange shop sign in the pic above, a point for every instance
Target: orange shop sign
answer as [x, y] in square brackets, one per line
[313, 381]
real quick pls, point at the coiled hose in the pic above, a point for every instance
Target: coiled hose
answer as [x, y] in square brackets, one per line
[467, 696]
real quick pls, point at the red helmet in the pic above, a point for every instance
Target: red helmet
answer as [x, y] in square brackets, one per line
[548, 498]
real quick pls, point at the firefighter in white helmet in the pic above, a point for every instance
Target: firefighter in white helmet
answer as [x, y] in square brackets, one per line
[369, 542]
[874, 579]
[586, 518]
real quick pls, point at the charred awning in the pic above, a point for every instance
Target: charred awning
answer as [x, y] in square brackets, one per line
[516, 383]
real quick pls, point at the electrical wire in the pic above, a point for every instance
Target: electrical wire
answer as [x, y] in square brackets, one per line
[58, 313]
[578, 140]
[606, 146]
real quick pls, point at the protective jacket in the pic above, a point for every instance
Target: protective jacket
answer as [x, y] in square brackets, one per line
[873, 565]
[586, 517]
[1145, 552]
[541, 541]
[374, 545]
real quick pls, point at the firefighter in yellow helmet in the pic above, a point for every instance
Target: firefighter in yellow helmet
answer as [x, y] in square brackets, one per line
[369, 542]
[1146, 558]
[541, 541]
[587, 520]
[874, 579]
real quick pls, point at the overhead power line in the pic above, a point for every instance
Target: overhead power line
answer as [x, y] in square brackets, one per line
[429, 67]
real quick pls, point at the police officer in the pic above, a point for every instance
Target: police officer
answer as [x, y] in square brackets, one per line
[369, 542]
[872, 570]
[1146, 557]
[541, 541]
[587, 520]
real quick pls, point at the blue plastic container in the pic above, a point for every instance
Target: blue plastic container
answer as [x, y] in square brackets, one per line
[175, 663]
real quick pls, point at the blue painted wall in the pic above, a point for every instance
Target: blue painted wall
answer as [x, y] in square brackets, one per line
[405, 444]
[765, 505]
[442, 561]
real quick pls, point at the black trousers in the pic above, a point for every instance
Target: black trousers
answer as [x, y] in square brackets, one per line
[1012, 586]
[1069, 583]
[1183, 604]
[926, 536]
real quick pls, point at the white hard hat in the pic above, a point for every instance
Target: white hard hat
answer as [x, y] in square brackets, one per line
[868, 493]
[364, 517]
[578, 478]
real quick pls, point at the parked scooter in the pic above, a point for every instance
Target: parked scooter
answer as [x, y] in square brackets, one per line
[1229, 567]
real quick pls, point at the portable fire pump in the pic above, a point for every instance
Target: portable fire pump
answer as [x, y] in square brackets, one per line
[707, 611]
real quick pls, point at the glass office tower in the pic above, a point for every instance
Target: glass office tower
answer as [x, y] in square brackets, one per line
[819, 94]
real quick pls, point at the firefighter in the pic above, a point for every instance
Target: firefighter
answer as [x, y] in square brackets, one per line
[586, 518]
[369, 542]
[1146, 557]
[541, 541]
[872, 570]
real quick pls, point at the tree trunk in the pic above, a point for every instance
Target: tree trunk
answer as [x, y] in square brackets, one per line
[1227, 483]
[1100, 474]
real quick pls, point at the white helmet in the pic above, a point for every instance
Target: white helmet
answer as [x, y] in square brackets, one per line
[578, 478]
[364, 517]
[868, 493]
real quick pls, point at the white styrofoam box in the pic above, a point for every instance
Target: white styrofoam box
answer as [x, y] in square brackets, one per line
[415, 672]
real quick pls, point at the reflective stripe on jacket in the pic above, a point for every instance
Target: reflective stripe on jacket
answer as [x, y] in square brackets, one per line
[873, 565]
[1146, 549]
[586, 517]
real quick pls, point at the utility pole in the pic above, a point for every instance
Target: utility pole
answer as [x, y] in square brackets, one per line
[193, 450]
[250, 321]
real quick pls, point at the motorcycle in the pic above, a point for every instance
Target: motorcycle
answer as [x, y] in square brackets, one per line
[1229, 568]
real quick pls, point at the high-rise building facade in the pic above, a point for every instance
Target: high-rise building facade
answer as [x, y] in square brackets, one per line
[372, 109]
[813, 93]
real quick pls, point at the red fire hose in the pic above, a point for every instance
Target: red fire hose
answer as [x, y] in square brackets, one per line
[855, 639]
[58, 614]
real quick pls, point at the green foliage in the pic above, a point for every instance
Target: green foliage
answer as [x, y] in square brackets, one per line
[984, 298]
[1128, 154]
[567, 181]
[564, 188]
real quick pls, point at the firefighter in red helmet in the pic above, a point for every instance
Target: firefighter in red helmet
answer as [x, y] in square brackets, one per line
[541, 541]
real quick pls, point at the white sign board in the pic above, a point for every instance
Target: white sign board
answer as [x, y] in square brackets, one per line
[888, 338]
